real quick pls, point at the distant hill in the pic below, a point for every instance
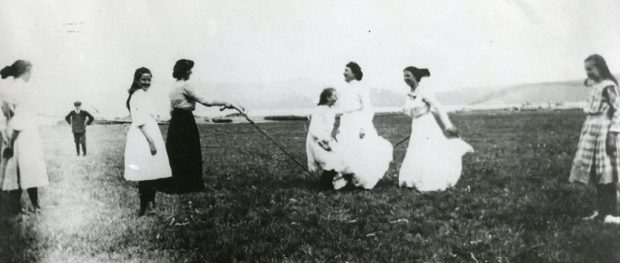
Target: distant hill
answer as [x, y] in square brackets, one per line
[289, 94]
[555, 92]
[303, 93]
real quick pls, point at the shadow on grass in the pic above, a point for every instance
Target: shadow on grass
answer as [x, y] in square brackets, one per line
[17, 237]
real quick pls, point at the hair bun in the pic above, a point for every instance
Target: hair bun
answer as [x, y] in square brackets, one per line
[426, 72]
[7, 72]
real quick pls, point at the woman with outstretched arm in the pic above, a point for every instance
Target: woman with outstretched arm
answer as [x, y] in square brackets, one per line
[183, 142]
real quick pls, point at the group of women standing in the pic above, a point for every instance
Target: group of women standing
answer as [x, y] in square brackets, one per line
[354, 153]
[176, 166]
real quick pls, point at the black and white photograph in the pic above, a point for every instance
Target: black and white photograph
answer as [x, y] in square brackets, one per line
[309, 131]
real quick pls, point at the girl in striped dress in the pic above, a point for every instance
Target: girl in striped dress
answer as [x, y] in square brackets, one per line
[597, 158]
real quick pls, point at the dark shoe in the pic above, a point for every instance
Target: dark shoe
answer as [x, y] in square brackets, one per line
[325, 182]
[142, 210]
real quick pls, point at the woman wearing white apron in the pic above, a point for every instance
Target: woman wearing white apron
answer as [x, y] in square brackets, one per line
[367, 155]
[432, 161]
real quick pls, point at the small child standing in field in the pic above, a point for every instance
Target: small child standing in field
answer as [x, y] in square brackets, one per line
[79, 119]
[321, 147]
[597, 158]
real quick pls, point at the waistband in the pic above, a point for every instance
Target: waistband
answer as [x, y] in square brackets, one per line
[177, 110]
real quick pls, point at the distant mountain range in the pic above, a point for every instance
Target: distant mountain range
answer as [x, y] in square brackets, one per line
[303, 93]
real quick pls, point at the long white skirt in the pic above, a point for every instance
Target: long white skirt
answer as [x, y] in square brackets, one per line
[26, 169]
[320, 160]
[433, 162]
[367, 159]
[140, 165]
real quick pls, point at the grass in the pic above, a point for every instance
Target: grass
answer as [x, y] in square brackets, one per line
[513, 203]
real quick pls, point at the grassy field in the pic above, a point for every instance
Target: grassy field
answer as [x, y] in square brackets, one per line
[513, 203]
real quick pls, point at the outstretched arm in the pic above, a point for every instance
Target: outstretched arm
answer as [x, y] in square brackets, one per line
[197, 96]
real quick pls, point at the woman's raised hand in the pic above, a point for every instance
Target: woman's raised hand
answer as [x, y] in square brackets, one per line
[234, 106]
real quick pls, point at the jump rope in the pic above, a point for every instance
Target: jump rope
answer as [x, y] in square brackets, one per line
[303, 167]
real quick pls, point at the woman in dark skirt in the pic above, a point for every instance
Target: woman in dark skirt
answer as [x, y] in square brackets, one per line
[183, 142]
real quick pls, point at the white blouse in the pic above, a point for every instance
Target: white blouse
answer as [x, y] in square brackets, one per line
[352, 97]
[141, 108]
[183, 96]
[420, 102]
[322, 123]
[24, 100]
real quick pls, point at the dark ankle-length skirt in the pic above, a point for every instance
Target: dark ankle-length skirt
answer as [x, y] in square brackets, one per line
[184, 152]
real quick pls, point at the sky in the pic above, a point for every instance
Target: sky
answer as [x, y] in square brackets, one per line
[88, 50]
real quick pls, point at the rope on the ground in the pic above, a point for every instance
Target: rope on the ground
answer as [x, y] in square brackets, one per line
[278, 145]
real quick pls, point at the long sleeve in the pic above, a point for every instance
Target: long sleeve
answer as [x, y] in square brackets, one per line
[89, 117]
[429, 98]
[68, 118]
[611, 92]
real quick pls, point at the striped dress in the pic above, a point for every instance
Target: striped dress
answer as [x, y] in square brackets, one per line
[592, 162]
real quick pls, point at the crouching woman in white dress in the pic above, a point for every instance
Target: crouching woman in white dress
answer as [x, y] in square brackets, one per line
[322, 149]
[432, 161]
[145, 153]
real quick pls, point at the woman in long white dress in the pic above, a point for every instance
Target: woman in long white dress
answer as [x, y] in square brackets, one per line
[146, 159]
[24, 164]
[433, 162]
[367, 155]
